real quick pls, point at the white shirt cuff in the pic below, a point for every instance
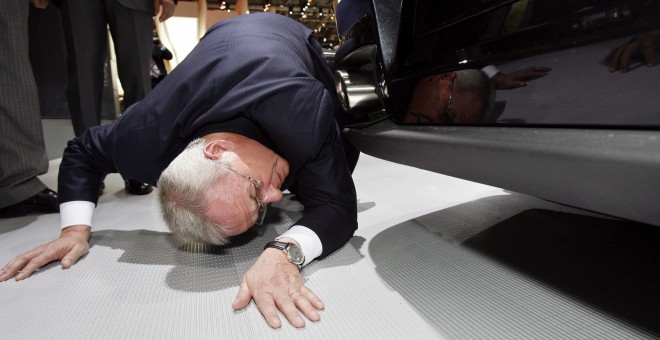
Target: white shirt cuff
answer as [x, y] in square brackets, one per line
[490, 71]
[75, 213]
[307, 239]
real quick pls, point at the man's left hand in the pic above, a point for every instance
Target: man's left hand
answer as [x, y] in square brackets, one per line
[166, 9]
[519, 78]
[275, 283]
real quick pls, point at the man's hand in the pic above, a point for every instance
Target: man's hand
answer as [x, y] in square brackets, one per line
[519, 78]
[643, 43]
[69, 247]
[275, 283]
[165, 8]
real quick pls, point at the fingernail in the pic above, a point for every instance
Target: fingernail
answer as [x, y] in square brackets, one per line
[65, 264]
[275, 322]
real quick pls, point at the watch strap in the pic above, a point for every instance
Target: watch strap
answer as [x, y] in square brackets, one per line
[276, 244]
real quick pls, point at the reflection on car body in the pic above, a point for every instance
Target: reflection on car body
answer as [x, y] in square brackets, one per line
[584, 132]
[581, 41]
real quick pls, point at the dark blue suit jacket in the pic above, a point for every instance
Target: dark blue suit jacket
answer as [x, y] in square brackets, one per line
[259, 75]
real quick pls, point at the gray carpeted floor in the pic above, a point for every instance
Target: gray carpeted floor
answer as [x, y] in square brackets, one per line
[434, 258]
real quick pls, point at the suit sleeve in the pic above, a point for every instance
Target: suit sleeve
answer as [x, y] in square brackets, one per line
[326, 189]
[85, 162]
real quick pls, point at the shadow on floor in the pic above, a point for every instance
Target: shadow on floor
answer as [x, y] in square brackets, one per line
[554, 269]
[202, 267]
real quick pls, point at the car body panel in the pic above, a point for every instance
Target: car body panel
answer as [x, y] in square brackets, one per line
[581, 136]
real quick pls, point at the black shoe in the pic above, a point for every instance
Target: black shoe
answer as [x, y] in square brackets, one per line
[137, 188]
[44, 202]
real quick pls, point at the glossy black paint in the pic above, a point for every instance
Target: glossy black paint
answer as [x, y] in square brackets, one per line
[576, 39]
[581, 135]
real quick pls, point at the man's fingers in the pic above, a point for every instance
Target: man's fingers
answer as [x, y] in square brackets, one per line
[532, 76]
[514, 84]
[539, 74]
[268, 309]
[626, 56]
[243, 297]
[531, 73]
[622, 57]
[305, 305]
[35, 262]
[286, 305]
[4, 274]
[312, 298]
[18, 264]
[72, 257]
[614, 63]
[649, 52]
[11, 268]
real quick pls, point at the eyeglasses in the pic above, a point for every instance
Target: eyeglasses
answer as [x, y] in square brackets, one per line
[448, 109]
[257, 185]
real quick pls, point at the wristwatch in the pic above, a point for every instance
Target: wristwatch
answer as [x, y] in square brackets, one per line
[293, 251]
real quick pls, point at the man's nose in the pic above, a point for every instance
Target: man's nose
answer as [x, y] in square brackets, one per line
[272, 194]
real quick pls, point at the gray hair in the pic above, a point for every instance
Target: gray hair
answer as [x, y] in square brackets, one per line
[183, 190]
[477, 81]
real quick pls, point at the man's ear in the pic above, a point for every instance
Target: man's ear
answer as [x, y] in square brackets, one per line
[215, 148]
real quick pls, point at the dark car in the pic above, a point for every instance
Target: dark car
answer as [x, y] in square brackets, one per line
[584, 130]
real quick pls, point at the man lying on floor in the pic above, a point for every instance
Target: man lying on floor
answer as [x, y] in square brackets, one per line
[250, 112]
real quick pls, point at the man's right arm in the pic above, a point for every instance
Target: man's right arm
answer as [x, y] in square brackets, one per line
[68, 247]
[85, 161]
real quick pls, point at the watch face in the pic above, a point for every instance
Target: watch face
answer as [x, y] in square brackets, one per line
[295, 254]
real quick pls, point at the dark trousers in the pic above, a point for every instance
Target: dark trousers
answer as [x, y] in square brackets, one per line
[22, 149]
[85, 29]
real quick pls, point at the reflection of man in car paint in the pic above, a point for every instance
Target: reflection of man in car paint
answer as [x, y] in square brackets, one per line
[460, 97]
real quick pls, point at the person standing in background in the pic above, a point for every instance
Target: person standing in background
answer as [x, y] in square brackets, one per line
[85, 29]
[22, 151]
[158, 55]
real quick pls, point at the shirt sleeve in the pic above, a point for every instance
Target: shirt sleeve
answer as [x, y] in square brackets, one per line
[76, 213]
[490, 71]
[307, 239]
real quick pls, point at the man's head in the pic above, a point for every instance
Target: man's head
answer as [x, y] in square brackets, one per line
[218, 187]
[460, 97]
